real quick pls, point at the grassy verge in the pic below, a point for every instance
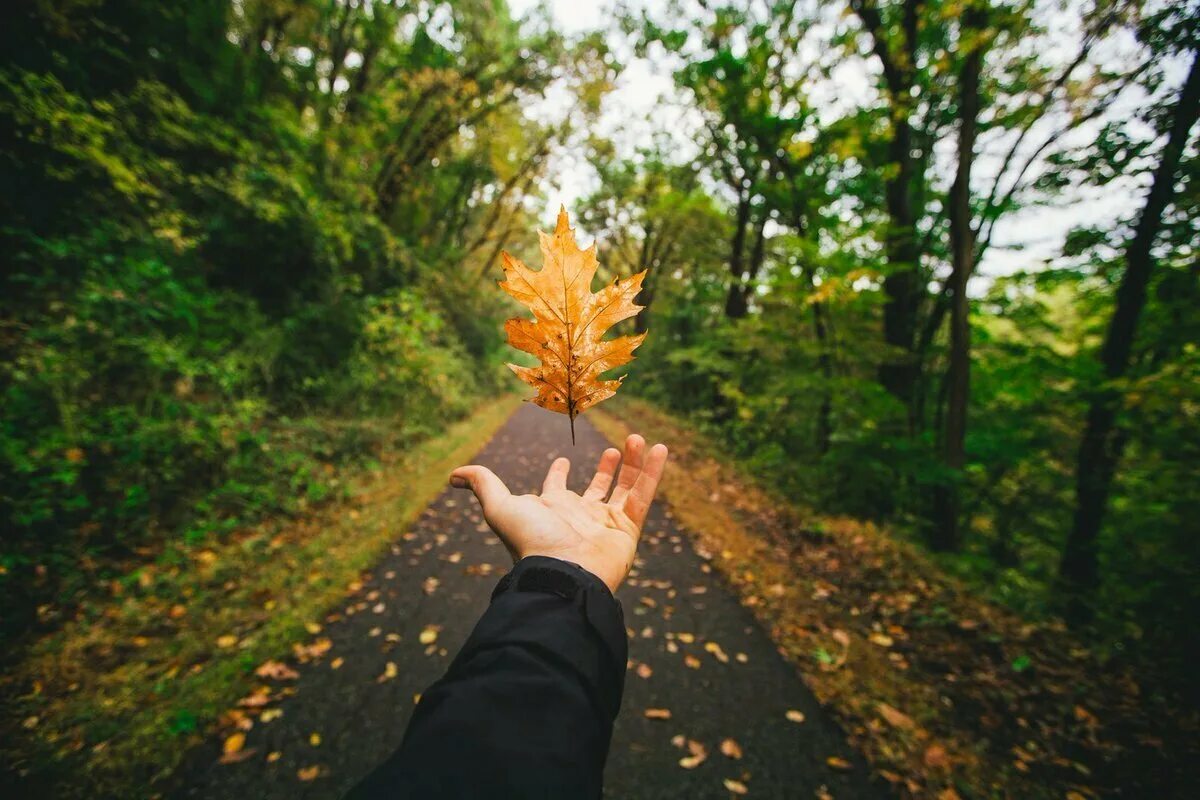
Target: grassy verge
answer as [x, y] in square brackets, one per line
[108, 705]
[947, 695]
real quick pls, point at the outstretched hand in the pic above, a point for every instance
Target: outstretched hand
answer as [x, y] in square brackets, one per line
[597, 534]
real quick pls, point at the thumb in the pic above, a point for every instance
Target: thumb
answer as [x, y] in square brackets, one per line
[483, 482]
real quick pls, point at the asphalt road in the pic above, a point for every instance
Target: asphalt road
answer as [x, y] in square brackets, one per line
[694, 651]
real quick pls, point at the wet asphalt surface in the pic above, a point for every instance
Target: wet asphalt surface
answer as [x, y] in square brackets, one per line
[694, 651]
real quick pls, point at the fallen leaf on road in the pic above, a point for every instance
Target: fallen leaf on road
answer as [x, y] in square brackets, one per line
[430, 585]
[261, 696]
[315, 650]
[717, 652]
[794, 716]
[731, 748]
[686, 638]
[337, 663]
[430, 634]
[274, 756]
[691, 661]
[839, 763]
[307, 774]
[276, 670]
[271, 714]
[314, 739]
[737, 787]
[657, 713]
[699, 754]
[894, 717]
[389, 672]
[678, 740]
[672, 647]
[742, 658]
[644, 671]
[234, 743]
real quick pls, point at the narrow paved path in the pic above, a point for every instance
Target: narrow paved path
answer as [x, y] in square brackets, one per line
[694, 651]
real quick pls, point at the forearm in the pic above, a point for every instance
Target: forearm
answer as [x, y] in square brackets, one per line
[526, 708]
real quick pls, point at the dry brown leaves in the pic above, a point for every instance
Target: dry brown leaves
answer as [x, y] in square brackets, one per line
[569, 323]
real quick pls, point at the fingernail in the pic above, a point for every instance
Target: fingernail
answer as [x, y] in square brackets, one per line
[458, 483]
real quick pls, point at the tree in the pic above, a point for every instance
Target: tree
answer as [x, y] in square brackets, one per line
[1103, 439]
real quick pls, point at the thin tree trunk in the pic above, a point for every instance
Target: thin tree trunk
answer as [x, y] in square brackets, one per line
[735, 301]
[825, 411]
[944, 534]
[902, 289]
[1101, 444]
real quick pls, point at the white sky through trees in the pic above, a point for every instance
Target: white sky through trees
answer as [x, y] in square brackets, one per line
[645, 100]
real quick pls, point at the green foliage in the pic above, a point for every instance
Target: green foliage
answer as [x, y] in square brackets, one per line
[222, 276]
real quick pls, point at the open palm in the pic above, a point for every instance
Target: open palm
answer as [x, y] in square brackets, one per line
[598, 534]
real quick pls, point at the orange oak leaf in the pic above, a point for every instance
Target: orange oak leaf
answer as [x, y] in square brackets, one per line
[569, 322]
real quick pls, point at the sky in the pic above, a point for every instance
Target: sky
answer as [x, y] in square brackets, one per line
[645, 98]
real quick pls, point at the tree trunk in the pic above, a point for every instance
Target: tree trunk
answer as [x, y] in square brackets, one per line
[1100, 447]
[825, 412]
[898, 373]
[735, 301]
[945, 533]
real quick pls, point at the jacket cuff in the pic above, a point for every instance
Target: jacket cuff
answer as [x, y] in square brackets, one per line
[596, 605]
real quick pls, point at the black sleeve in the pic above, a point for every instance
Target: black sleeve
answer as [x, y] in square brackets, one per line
[526, 708]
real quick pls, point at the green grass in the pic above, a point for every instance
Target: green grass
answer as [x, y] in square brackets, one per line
[108, 705]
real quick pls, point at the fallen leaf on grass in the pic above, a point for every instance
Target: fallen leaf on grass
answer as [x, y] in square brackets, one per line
[794, 716]
[312, 627]
[657, 713]
[882, 639]
[389, 672]
[936, 756]
[841, 637]
[228, 640]
[276, 670]
[234, 743]
[730, 748]
[895, 717]
[839, 763]
[737, 787]
[699, 754]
